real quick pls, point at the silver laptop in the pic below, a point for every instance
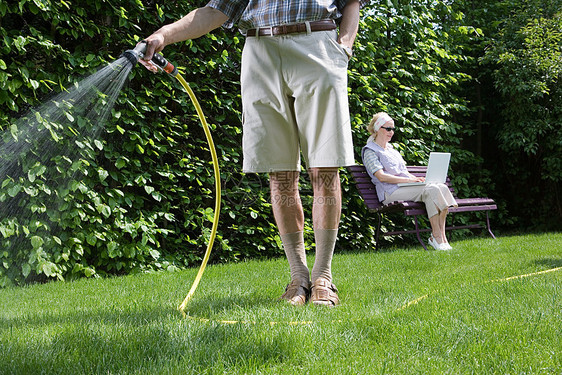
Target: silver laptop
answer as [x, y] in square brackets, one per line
[437, 169]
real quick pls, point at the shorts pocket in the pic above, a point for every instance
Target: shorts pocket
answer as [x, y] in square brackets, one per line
[339, 51]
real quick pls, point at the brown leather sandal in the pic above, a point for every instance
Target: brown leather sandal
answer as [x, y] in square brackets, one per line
[297, 292]
[324, 293]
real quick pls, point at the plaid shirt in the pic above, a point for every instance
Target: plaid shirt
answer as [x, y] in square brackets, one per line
[250, 14]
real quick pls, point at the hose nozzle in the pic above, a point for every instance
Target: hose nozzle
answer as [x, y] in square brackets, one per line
[158, 62]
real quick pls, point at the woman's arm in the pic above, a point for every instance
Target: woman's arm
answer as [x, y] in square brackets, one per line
[391, 179]
[373, 165]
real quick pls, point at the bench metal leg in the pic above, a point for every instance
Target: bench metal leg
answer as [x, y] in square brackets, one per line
[488, 225]
[418, 232]
[379, 222]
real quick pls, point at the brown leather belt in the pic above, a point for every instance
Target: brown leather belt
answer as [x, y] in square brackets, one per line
[294, 28]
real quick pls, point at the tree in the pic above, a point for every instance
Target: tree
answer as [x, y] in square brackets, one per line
[523, 60]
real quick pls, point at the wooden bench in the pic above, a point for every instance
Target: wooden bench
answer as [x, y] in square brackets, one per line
[368, 192]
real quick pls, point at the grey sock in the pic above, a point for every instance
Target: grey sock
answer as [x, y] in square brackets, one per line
[325, 244]
[293, 244]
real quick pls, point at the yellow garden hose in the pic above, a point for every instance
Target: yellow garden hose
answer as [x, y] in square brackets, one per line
[195, 102]
[159, 63]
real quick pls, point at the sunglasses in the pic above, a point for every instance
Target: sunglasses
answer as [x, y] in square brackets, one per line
[388, 129]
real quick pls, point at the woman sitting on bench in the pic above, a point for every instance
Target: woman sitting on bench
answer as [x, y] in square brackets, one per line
[387, 168]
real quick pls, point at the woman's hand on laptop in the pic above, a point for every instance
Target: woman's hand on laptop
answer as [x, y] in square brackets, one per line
[416, 179]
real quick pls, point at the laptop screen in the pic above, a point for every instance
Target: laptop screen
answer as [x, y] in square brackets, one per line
[438, 167]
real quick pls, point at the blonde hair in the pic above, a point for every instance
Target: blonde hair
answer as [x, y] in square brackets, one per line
[371, 126]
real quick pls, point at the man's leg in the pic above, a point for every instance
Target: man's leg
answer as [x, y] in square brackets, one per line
[289, 216]
[326, 214]
[286, 201]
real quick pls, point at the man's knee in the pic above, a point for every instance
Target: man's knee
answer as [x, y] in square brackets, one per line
[325, 179]
[285, 182]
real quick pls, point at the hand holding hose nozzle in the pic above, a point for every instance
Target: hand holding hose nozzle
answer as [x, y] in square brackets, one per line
[157, 63]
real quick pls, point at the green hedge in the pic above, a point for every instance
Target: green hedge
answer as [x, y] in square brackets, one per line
[138, 194]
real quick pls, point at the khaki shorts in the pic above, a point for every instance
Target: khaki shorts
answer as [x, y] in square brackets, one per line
[294, 99]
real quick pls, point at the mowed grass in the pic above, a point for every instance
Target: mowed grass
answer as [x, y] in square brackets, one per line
[405, 311]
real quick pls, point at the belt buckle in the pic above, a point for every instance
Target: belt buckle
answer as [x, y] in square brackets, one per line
[260, 31]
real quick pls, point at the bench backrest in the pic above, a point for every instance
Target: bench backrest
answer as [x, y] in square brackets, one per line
[367, 188]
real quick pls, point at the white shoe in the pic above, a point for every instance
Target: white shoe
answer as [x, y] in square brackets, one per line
[446, 246]
[438, 246]
[433, 243]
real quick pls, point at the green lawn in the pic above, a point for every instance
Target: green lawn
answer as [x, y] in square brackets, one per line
[404, 311]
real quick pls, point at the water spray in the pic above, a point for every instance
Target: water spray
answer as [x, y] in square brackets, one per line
[156, 64]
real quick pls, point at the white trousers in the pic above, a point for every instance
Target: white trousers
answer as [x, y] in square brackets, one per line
[437, 197]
